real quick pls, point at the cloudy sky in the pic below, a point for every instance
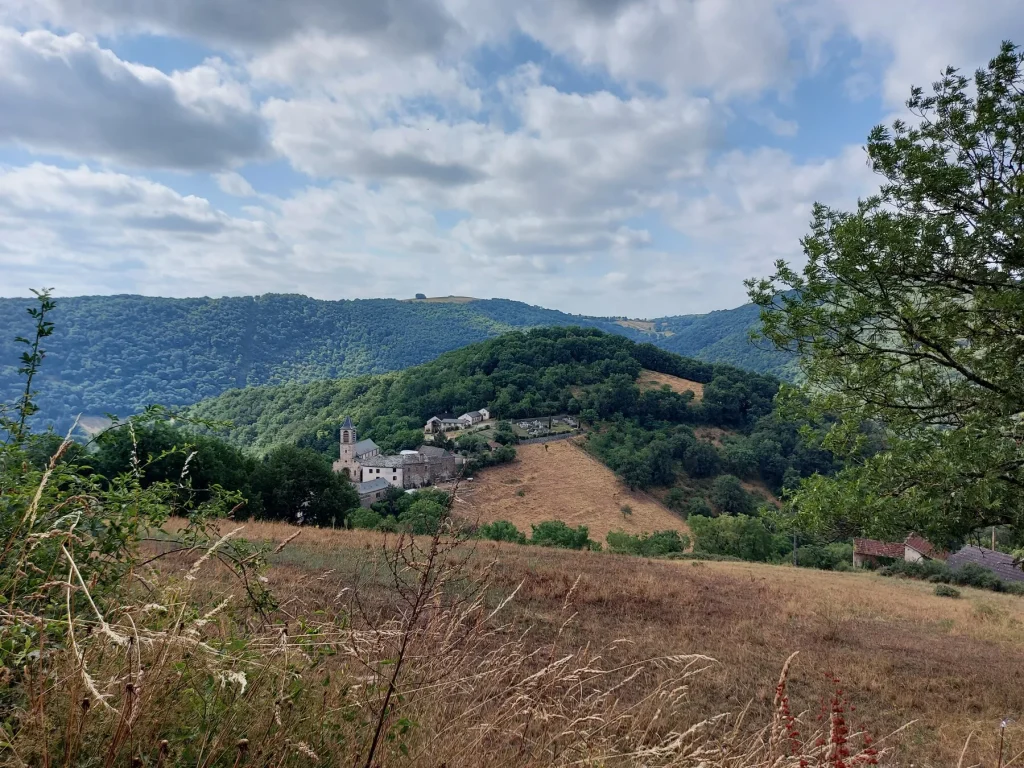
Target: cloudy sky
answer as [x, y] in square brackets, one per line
[636, 157]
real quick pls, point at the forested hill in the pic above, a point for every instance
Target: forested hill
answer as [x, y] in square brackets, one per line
[644, 434]
[118, 354]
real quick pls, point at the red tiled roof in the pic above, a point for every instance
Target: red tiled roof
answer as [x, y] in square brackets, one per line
[924, 547]
[875, 548]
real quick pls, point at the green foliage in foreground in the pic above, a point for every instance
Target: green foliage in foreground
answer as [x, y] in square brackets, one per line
[908, 315]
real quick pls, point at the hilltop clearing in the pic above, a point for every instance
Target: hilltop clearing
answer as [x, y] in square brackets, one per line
[559, 481]
[654, 380]
[442, 300]
[900, 653]
[118, 354]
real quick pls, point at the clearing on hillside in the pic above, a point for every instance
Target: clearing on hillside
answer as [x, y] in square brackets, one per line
[442, 300]
[561, 483]
[655, 380]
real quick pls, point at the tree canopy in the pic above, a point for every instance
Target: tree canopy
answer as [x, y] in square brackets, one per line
[908, 317]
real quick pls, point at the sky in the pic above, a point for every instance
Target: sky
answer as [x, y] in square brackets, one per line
[608, 157]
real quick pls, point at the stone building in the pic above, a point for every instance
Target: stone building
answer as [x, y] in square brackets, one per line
[412, 469]
[363, 464]
[353, 451]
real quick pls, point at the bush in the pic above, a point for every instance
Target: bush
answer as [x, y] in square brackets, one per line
[741, 536]
[974, 575]
[675, 500]
[730, 497]
[364, 518]
[423, 517]
[698, 507]
[944, 590]
[501, 530]
[829, 557]
[555, 533]
[701, 460]
[657, 544]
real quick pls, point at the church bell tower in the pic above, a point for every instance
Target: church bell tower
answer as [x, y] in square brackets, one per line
[347, 458]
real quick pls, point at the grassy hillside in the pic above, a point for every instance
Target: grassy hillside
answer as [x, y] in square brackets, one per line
[118, 354]
[898, 652]
[560, 481]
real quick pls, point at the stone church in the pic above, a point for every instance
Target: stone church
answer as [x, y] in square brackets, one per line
[363, 463]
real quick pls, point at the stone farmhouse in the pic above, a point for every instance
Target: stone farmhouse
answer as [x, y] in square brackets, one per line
[373, 473]
[446, 422]
[912, 549]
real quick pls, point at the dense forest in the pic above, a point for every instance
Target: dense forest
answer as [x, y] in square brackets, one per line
[118, 354]
[652, 438]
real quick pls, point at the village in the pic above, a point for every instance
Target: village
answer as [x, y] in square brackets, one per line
[374, 473]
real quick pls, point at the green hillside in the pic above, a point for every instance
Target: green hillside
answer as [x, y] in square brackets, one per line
[646, 436]
[118, 354]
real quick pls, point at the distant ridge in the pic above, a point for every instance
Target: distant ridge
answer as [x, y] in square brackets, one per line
[117, 354]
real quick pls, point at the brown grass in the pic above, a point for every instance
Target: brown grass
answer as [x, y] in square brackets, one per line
[561, 483]
[639, 325]
[655, 380]
[901, 653]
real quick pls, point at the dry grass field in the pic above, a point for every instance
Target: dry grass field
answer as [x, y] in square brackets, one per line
[655, 380]
[560, 481]
[951, 668]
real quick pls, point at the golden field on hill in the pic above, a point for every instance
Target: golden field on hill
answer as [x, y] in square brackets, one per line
[951, 668]
[560, 481]
[655, 380]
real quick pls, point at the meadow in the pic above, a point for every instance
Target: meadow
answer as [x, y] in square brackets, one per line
[945, 671]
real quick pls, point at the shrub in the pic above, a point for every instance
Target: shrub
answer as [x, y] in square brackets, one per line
[626, 510]
[698, 507]
[829, 557]
[740, 536]
[974, 575]
[701, 460]
[730, 497]
[657, 544]
[364, 518]
[501, 530]
[423, 517]
[555, 533]
[675, 500]
[944, 590]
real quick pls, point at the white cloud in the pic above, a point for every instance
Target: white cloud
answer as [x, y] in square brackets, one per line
[66, 95]
[232, 183]
[922, 37]
[246, 24]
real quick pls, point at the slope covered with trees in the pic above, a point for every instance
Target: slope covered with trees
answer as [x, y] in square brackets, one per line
[649, 437]
[118, 354]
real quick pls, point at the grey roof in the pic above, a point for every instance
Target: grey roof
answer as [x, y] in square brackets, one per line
[999, 563]
[392, 461]
[365, 446]
[371, 486]
[435, 450]
[347, 423]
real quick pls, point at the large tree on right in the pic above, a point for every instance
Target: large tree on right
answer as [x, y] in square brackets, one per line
[909, 319]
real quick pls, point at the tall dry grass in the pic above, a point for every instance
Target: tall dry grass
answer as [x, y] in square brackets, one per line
[185, 673]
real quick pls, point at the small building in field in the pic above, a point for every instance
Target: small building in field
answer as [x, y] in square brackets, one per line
[871, 552]
[443, 422]
[471, 418]
[999, 563]
[372, 491]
